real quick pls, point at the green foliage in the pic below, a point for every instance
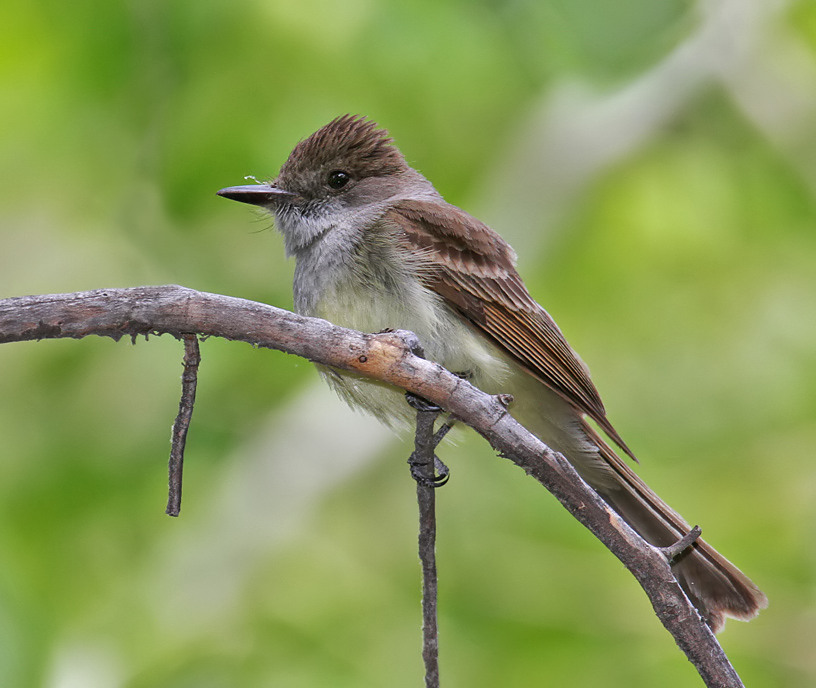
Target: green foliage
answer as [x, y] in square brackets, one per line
[681, 266]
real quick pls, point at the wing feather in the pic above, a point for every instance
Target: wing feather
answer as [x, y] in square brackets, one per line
[473, 269]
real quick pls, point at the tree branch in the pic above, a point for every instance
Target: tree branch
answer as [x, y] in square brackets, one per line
[387, 357]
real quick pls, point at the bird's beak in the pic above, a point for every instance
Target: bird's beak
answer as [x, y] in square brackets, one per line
[256, 194]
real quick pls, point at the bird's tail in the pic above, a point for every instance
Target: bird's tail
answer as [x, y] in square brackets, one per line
[713, 584]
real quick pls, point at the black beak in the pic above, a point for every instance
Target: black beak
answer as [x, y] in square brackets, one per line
[256, 194]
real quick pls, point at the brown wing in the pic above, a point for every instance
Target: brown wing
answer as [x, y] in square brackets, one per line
[472, 268]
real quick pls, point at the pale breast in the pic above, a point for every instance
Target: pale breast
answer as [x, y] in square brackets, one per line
[383, 292]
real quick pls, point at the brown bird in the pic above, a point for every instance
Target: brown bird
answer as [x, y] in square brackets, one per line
[376, 247]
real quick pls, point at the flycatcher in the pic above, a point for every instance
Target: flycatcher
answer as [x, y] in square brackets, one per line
[376, 246]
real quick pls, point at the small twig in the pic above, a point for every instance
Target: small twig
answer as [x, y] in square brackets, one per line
[673, 552]
[189, 378]
[443, 430]
[422, 466]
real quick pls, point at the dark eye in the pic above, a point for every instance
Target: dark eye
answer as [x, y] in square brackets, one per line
[338, 179]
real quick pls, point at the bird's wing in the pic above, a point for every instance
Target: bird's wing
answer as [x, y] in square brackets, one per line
[472, 269]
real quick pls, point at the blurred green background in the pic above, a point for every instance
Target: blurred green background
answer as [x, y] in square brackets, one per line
[654, 164]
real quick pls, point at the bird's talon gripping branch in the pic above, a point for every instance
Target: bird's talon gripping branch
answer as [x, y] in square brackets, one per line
[426, 442]
[505, 399]
[441, 473]
[420, 404]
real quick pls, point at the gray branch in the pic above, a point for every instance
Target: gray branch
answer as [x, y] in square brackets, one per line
[388, 357]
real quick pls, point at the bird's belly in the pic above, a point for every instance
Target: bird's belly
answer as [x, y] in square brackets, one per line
[445, 336]
[453, 343]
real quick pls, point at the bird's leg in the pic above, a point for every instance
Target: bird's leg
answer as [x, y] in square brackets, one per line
[426, 442]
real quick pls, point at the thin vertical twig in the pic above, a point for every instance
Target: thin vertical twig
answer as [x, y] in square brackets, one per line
[189, 379]
[422, 462]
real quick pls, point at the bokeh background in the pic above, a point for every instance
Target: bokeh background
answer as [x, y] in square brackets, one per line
[653, 163]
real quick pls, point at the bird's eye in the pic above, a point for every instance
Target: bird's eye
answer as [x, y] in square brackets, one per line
[338, 179]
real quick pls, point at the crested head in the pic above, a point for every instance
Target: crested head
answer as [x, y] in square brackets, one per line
[336, 182]
[352, 144]
[344, 174]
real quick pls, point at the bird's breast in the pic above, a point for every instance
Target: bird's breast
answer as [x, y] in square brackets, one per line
[381, 295]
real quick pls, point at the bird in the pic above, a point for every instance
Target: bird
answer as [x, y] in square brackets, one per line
[377, 247]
